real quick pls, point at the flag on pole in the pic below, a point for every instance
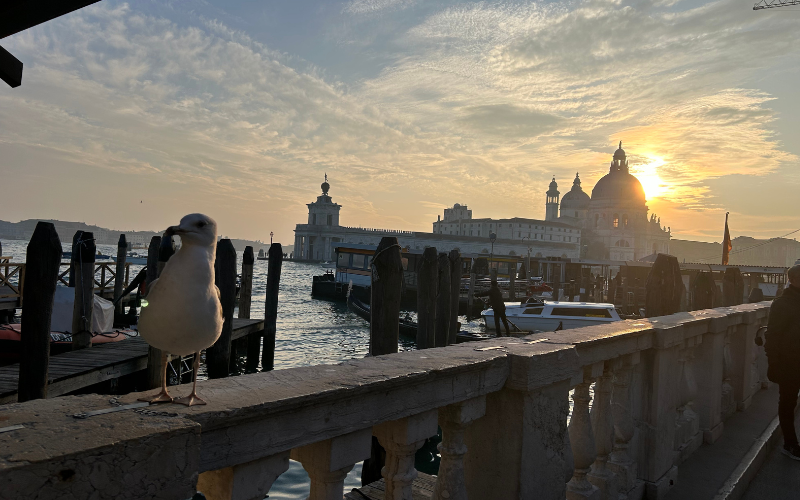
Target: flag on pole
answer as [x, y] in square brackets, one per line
[726, 242]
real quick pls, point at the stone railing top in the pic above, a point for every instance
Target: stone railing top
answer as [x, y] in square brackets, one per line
[253, 416]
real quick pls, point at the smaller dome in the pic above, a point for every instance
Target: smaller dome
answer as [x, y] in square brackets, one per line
[576, 198]
[553, 184]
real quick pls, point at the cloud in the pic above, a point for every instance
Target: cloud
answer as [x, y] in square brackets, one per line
[509, 120]
[374, 6]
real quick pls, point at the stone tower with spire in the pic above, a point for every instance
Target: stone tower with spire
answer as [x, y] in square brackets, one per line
[551, 208]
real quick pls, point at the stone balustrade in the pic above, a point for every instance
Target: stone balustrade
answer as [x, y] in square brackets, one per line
[645, 394]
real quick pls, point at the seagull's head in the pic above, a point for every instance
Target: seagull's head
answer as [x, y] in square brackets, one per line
[196, 229]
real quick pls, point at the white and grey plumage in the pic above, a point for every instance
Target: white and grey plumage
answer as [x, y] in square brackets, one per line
[183, 314]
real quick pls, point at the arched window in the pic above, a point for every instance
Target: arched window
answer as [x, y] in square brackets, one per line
[622, 243]
[616, 220]
[625, 221]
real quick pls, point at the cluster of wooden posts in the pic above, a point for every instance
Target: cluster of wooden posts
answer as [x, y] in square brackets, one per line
[42, 275]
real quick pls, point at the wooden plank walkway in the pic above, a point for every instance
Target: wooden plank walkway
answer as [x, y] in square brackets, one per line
[421, 489]
[75, 370]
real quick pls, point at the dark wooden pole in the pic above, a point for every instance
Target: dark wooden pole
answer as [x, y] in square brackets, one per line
[73, 261]
[119, 276]
[442, 332]
[512, 281]
[275, 256]
[427, 278]
[455, 292]
[253, 341]
[218, 356]
[41, 274]
[663, 287]
[166, 249]
[732, 287]
[387, 283]
[84, 292]
[155, 357]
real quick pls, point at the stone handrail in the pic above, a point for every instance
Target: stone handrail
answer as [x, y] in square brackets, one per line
[660, 387]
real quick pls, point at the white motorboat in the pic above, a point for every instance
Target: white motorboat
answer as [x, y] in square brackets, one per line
[549, 315]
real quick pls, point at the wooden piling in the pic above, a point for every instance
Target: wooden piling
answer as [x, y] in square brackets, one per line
[663, 287]
[252, 342]
[41, 275]
[455, 292]
[218, 356]
[84, 292]
[275, 256]
[512, 281]
[155, 357]
[703, 291]
[166, 249]
[119, 273]
[385, 292]
[471, 293]
[427, 278]
[732, 287]
[73, 261]
[442, 332]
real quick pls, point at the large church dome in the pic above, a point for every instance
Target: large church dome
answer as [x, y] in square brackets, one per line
[619, 186]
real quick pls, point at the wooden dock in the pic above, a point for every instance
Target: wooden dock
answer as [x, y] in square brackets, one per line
[75, 370]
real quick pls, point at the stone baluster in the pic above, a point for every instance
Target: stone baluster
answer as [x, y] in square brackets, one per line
[603, 427]
[687, 423]
[728, 402]
[583, 448]
[328, 462]
[620, 461]
[708, 403]
[454, 419]
[247, 481]
[401, 439]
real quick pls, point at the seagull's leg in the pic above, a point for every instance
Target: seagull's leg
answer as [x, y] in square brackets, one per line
[163, 396]
[193, 399]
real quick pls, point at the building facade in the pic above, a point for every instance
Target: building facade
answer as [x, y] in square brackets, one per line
[317, 239]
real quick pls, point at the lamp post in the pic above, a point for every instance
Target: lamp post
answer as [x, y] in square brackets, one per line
[270, 238]
[528, 262]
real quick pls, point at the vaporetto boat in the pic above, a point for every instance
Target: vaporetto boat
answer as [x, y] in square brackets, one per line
[549, 315]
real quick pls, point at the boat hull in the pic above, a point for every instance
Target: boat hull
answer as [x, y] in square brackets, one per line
[533, 323]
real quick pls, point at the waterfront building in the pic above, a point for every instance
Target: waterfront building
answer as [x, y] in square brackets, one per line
[319, 236]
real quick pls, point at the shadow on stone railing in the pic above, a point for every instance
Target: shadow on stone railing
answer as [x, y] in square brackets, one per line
[660, 388]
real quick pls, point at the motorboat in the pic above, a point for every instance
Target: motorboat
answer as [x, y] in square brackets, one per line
[548, 315]
[262, 255]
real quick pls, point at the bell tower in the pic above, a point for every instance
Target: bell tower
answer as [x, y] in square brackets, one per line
[551, 207]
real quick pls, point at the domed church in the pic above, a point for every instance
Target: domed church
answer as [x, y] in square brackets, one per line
[614, 220]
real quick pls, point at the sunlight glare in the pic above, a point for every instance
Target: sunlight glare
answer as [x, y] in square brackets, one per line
[647, 174]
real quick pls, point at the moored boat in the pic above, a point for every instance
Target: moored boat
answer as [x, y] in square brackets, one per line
[550, 315]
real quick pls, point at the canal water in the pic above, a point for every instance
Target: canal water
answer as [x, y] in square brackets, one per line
[309, 332]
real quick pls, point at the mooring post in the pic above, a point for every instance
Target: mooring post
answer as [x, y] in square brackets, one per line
[41, 274]
[155, 357]
[275, 256]
[166, 249]
[442, 332]
[512, 281]
[252, 342]
[387, 283]
[455, 293]
[84, 292]
[218, 356]
[73, 260]
[471, 293]
[119, 273]
[427, 277]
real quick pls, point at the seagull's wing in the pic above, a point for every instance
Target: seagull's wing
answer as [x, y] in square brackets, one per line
[148, 289]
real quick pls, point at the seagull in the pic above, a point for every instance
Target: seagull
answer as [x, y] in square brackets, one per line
[183, 314]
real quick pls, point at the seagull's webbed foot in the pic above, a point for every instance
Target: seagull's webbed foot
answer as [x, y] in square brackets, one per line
[191, 400]
[161, 397]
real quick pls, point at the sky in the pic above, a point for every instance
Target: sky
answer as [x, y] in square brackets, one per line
[131, 115]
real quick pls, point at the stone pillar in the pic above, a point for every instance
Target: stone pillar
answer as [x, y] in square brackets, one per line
[307, 247]
[727, 401]
[659, 396]
[401, 439]
[247, 481]
[328, 462]
[583, 449]
[620, 461]
[708, 403]
[687, 423]
[454, 419]
[603, 427]
[743, 349]
[297, 250]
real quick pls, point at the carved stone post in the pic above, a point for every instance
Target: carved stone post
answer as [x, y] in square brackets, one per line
[453, 420]
[328, 462]
[620, 461]
[728, 402]
[603, 426]
[583, 449]
[401, 439]
[247, 481]
[687, 424]
[708, 403]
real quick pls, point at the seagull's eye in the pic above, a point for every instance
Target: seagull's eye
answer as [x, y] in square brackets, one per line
[201, 224]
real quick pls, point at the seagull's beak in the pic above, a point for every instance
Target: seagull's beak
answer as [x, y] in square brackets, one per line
[173, 230]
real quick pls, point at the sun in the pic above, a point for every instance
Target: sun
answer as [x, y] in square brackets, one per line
[647, 173]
